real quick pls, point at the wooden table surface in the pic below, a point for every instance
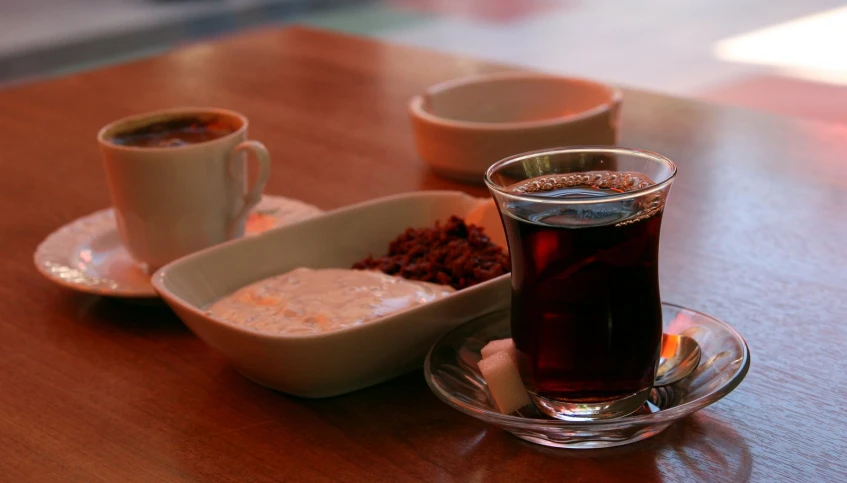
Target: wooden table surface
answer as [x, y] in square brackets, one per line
[94, 389]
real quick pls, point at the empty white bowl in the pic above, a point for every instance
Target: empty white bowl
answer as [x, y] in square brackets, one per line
[336, 362]
[463, 126]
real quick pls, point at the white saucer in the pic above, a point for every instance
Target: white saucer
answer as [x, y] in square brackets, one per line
[87, 254]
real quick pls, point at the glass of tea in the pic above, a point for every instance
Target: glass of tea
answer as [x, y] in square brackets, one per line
[582, 224]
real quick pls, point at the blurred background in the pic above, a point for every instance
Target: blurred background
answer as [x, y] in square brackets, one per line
[784, 56]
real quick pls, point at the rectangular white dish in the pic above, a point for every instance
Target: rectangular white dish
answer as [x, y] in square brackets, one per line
[331, 363]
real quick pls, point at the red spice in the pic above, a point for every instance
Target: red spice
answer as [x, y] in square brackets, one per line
[455, 254]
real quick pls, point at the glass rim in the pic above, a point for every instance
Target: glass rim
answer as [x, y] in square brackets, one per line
[587, 200]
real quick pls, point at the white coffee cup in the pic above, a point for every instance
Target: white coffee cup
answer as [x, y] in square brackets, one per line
[175, 200]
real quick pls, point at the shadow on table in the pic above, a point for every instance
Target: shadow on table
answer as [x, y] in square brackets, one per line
[403, 419]
[706, 446]
[699, 448]
[139, 317]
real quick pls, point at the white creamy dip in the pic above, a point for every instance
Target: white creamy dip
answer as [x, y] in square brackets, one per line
[308, 301]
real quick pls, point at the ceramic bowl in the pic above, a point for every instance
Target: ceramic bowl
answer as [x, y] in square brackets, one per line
[345, 360]
[465, 125]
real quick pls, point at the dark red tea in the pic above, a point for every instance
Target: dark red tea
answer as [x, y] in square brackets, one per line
[174, 132]
[586, 313]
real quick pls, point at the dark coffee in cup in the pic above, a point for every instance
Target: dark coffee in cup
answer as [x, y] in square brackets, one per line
[174, 132]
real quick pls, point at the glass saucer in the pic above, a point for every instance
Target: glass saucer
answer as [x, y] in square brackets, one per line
[452, 374]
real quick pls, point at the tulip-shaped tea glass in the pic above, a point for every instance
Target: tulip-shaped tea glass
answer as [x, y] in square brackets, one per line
[582, 224]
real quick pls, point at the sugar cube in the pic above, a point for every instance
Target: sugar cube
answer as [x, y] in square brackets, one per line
[499, 345]
[504, 382]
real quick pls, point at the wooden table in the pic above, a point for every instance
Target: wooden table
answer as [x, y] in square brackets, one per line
[93, 389]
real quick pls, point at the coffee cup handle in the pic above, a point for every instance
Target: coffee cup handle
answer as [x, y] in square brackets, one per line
[254, 195]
